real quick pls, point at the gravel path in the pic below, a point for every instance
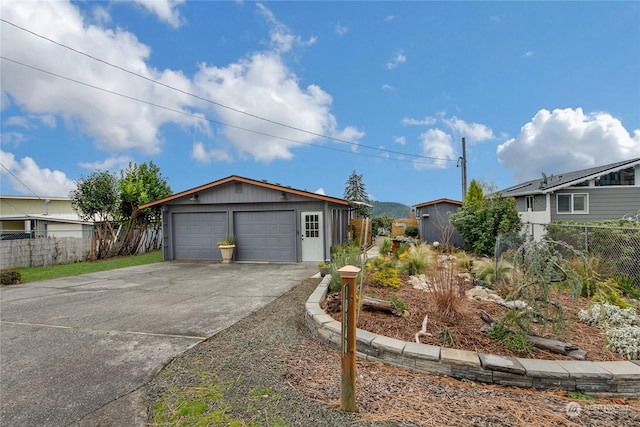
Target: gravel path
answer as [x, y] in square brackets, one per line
[267, 370]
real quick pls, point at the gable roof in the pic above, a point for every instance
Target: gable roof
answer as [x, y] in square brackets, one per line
[435, 202]
[235, 178]
[549, 184]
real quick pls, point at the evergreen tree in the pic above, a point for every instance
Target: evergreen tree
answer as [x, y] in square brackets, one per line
[356, 191]
[474, 193]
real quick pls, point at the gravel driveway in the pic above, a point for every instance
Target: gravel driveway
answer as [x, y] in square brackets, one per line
[77, 350]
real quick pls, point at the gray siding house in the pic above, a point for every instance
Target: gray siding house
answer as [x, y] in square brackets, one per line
[433, 221]
[605, 192]
[270, 222]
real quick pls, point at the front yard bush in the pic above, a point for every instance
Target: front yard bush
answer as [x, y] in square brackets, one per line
[9, 276]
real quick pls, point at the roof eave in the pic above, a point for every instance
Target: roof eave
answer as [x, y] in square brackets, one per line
[590, 177]
[236, 178]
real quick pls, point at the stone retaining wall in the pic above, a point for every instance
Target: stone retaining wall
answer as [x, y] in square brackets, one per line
[605, 379]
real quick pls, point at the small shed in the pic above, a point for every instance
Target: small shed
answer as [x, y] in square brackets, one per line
[270, 222]
[434, 224]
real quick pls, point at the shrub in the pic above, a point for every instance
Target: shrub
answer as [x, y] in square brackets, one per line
[446, 336]
[485, 270]
[411, 231]
[9, 276]
[386, 246]
[625, 340]
[386, 275]
[605, 315]
[399, 304]
[545, 276]
[515, 341]
[448, 288]
[609, 291]
[464, 261]
[343, 255]
[625, 283]
[480, 221]
[422, 258]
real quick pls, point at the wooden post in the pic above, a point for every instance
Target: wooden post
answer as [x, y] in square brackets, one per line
[348, 275]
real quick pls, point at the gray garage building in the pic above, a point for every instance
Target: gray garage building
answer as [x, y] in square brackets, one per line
[433, 221]
[270, 222]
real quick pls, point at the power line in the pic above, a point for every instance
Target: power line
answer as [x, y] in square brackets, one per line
[218, 103]
[20, 181]
[185, 113]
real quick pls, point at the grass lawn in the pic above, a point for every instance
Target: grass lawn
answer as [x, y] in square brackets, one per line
[33, 274]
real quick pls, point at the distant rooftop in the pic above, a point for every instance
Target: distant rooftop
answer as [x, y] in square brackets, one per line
[549, 183]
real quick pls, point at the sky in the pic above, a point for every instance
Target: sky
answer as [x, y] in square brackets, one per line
[304, 93]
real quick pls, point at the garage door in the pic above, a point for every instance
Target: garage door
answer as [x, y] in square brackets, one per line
[265, 236]
[195, 234]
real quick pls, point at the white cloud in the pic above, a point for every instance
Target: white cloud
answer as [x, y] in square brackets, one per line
[473, 132]
[528, 54]
[18, 121]
[259, 83]
[113, 122]
[282, 39]
[110, 164]
[388, 88]
[438, 145]
[320, 191]
[27, 177]
[204, 156]
[21, 121]
[48, 120]
[101, 15]
[165, 10]
[390, 18]
[398, 58]
[13, 138]
[564, 140]
[341, 30]
[263, 85]
[400, 140]
[427, 121]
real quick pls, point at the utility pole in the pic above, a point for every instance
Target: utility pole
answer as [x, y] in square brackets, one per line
[462, 163]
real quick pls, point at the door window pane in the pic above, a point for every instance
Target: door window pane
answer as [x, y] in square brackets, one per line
[564, 203]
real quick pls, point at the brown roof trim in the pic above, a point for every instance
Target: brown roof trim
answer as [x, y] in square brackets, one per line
[235, 178]
[435, 202]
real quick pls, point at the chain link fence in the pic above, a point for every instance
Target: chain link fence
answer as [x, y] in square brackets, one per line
[617, 247]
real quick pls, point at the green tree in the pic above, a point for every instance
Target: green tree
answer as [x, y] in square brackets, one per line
[96, 198]
[479, 221]
[140, 184]
[474, 193]
[356, 191]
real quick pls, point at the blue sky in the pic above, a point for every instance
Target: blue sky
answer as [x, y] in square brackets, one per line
[304, 93]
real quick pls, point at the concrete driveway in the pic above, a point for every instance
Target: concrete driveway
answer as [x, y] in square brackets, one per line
[76, 351]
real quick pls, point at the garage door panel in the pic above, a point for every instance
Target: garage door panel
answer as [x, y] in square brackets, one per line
[265, 236]
[196, 234]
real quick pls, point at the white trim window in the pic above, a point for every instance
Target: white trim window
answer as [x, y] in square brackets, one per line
[574, 203]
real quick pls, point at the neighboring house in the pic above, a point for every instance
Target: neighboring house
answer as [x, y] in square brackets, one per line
[270, 222]
[433, 221]
[605, 192]
[28, 217]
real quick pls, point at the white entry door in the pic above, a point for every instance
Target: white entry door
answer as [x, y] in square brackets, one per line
[312, 236]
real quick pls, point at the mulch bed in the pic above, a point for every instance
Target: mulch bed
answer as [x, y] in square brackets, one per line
[465, 326]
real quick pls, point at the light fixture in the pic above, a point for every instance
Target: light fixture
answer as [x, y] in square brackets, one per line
[283, 195]
[194, 198]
